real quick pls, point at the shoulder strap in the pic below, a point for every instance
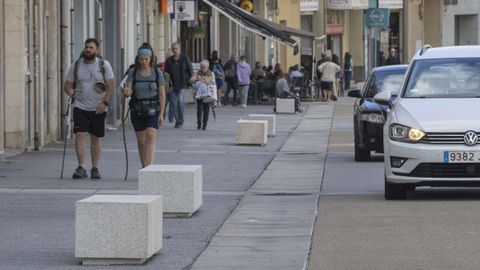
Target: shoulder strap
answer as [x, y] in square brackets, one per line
[156, 76]
[101, 64]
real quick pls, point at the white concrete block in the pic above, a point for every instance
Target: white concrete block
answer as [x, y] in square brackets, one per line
[179, 185]
[251, 132]
[271, 119]
[118, 229]
[285, 105]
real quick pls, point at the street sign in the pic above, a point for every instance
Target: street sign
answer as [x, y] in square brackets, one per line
[377, 17]
[184, 10]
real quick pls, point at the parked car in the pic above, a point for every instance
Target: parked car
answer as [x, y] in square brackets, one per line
[368, 115]
[431, 135]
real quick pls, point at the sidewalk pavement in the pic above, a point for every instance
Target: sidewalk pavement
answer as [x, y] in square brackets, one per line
[259, 202]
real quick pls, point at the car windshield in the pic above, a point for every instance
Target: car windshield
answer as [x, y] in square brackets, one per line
[444, 78]
[390, 81]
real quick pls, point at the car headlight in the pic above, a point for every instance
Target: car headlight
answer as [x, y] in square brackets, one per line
[405, 134]
[373, 118]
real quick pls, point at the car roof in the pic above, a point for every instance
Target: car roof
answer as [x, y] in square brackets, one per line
[390, 68]
[447, 52]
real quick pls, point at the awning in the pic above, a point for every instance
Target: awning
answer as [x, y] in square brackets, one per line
[255, 24]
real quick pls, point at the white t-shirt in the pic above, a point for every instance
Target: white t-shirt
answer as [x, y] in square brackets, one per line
[86, 98]
[328, 70]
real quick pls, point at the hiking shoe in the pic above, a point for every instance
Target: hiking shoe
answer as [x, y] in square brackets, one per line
[80, 173]
[95, 174]
[178, 126]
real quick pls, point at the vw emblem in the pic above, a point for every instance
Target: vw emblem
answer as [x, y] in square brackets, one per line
[470, 138]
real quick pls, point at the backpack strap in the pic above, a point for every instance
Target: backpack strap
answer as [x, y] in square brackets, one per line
[101, 64]
[134, 81]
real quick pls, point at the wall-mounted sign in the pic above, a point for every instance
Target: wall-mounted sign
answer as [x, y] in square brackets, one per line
[308, 5]
[184, 10]
[390, 4]
[347, 4]
[377, 17]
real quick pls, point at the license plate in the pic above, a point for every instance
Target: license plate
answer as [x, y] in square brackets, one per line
[461, 157]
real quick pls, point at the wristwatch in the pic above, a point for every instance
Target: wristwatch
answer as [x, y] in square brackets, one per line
[106, 103]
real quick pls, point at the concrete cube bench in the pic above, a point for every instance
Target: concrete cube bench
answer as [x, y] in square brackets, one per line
[285, 105]
[253, 132]
[179, 185]
[118, 229]
[270, 118]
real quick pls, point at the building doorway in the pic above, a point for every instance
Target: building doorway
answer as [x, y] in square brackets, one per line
[466, 30]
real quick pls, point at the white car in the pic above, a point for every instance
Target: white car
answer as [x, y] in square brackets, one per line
[431, 135]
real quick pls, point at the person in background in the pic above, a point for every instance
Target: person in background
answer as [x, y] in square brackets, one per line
[338, 77]
[318, 88]
[147, 106]
[328, 69]
[216, 66]
[200, 82]
[180, 69]
[347, 70]
[89, 105]
[258, 80]
[243, 74]
[230, 70]
[393, 58]
[283, 91]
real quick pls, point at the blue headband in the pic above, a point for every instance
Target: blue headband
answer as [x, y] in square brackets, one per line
[144, 52]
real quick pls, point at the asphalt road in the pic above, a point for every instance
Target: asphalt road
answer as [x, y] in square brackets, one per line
[357, 228]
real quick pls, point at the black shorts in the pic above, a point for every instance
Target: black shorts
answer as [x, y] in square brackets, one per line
[326, 85]
[141, 122]
[89, 121]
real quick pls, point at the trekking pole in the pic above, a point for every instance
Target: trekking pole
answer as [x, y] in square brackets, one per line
[67, 113]
[124, 118]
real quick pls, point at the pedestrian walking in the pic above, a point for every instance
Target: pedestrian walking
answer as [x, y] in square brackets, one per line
[347, 70]
[243, 73]
[146, 87]
[230, 70]
[215, 65]
[180, 69]
[201, 83]
[328, 69]
[90, 82]
[318, 88]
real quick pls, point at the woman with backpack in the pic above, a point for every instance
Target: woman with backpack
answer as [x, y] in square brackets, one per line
[146, 86]
[201, 83]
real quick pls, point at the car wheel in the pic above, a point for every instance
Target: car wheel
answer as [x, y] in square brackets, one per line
[394, 191]
[360, 154]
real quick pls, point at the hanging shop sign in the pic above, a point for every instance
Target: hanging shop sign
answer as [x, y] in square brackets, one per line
[185, 10]
[308, 5]
[377, 17]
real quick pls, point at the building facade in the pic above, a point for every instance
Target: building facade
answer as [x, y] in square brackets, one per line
[460, 22]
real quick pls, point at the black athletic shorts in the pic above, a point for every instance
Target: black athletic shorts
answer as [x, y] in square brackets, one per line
[326, 85]
[88, 121]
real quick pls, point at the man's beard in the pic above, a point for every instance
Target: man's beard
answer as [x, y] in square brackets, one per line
[89, 56]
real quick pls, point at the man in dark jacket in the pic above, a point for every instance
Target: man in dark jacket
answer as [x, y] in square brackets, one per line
[180, 69]
[230, 70]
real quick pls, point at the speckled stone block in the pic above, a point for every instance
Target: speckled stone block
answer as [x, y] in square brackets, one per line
[118, 229]
[271, 119]
[179, 185]
[285, 105]
[251, 132]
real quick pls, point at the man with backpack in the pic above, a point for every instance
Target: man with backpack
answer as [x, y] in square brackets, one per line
[180, 69]
[90, 83]
[230, 71]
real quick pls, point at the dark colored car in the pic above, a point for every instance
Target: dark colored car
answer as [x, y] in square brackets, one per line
[369, 116]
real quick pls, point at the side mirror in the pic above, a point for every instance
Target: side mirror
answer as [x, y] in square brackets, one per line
[384, 97]
[354, 93]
